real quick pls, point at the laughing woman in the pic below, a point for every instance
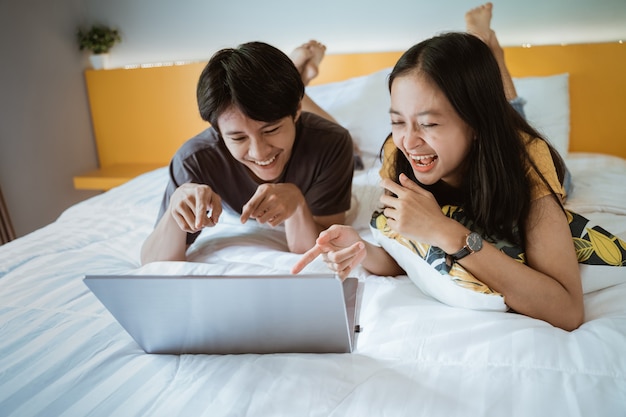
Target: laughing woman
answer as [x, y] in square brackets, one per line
[457, 142]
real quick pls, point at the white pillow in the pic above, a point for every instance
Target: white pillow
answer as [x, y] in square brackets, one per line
[600, 255]
[361, 105]
[442, 287]
[547, 107]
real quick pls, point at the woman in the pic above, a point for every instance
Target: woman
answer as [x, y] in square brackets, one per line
[456, 140]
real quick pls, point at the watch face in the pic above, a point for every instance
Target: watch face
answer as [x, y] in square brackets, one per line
[474, 242]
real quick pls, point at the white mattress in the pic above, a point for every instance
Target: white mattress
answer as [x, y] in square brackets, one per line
[62, 353]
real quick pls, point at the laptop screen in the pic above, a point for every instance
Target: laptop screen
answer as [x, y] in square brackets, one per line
[232, 314]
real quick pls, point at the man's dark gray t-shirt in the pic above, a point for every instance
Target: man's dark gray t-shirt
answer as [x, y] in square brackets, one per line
[321, 166]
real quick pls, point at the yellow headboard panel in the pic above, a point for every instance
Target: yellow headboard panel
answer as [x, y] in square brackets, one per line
[597, 87]
[141, 116]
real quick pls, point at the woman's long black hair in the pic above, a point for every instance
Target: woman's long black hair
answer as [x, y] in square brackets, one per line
[496, 191]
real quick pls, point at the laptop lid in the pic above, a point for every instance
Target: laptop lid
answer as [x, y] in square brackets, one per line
[232, 314]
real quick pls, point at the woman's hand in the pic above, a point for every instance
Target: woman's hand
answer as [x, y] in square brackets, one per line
[413, 211]
[341, 247]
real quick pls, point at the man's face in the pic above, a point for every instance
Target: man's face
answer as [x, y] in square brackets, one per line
[264, 148]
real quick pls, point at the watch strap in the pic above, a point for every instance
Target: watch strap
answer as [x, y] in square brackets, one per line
[473, 243]
[465, 250]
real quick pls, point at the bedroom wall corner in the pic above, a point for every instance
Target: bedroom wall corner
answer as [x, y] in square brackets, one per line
[45, 130]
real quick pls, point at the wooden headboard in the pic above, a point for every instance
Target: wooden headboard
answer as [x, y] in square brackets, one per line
[141, 116]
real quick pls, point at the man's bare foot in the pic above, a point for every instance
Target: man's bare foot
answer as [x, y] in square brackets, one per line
[307, 58]
[317, 50]
[300, 56]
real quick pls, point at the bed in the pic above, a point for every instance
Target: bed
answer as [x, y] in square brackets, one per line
[63, 354]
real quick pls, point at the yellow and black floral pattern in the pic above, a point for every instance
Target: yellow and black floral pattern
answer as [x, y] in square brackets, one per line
[594, 246]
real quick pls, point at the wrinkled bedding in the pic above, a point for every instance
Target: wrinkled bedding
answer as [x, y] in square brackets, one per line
[63, 354]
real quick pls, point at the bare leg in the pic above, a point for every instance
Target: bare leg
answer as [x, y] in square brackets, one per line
[317, 51]
[300, 57]
[307, 58]
[478, 23]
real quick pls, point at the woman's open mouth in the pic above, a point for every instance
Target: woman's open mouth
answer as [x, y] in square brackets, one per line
[424, 163]
[424, 160]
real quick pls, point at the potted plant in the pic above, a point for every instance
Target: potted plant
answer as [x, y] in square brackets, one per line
[98, 39]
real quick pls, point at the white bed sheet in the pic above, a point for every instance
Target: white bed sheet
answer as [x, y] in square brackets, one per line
[62, 353]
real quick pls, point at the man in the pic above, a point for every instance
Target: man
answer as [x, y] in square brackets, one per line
[264, 156]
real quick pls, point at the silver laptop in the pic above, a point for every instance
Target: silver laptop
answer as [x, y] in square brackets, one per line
[233, 314]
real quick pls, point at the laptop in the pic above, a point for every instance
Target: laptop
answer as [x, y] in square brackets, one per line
[312, 313]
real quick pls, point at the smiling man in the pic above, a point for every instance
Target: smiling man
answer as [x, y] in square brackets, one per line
[265, 156]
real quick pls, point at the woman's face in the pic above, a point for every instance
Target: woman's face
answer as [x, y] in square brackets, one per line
[264, 148]
[428, 131]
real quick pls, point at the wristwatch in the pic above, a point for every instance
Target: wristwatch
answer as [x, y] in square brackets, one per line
[473, 243]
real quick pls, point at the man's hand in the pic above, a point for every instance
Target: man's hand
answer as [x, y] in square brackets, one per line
[195, 206]
[273, 203]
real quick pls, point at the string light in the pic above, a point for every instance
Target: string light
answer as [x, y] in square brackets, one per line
[158, 64]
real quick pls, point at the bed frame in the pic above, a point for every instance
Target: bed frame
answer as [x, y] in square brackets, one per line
[142, 115]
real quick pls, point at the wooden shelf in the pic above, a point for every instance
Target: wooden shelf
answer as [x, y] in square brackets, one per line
[111, 176]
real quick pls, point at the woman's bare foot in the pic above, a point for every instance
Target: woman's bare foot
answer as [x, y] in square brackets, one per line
[307, 58]
[478, 23]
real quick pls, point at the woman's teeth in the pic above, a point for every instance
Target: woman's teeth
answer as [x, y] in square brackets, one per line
[424, 160]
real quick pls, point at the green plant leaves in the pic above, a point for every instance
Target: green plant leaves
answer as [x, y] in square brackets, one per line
[97, 39]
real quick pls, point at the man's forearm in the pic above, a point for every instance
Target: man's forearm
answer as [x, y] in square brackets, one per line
[167, 242]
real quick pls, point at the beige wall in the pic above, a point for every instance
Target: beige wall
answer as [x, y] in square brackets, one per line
[45, 130]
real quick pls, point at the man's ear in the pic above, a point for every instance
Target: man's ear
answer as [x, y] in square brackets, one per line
[298, 111]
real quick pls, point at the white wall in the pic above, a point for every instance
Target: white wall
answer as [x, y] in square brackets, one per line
[168, 30]
[45, 131]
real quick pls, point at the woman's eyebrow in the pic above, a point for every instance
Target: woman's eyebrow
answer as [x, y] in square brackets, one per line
[422, 113]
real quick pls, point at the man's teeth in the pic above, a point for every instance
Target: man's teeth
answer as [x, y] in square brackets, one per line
[424, 159]
[264, 163]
